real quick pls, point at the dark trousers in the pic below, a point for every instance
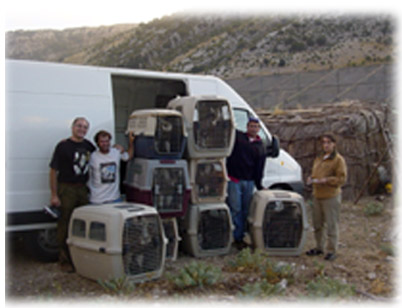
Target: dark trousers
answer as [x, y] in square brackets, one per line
[71, 196]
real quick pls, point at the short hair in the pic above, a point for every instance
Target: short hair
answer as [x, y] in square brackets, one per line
[102, 133]
[79, 119]
[328, 135]
[253, 120]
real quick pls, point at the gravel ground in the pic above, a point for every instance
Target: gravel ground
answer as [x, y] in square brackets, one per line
[364, 261]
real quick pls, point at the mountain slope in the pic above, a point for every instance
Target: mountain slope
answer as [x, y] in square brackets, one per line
[227, 46]
[56, 45]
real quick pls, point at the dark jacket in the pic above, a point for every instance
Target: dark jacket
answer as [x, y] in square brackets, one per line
[247, 159]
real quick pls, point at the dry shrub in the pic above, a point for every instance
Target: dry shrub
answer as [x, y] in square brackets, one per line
[363, 131]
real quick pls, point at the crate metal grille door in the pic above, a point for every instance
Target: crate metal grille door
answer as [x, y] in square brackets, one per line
[282, 224]
[214, 126]
[210, 180]
[168, 189]
[169, 135]
[142, 245]
[214, 229]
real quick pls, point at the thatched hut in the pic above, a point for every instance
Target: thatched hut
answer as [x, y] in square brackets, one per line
[364, 135]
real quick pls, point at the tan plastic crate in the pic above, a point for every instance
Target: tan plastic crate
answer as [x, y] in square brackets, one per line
[119, 239]
[278, 222]
[209, 121]
[208, 178]
[160, 133]
[208, 230]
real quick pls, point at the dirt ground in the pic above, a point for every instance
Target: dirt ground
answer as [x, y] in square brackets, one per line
[366, 261]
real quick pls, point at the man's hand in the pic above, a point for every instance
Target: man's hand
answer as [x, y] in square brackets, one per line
[131, 137]
[119, 148]
[54, 200]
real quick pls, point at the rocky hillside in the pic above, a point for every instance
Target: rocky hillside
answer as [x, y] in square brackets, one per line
[227, 46]
[56, 45]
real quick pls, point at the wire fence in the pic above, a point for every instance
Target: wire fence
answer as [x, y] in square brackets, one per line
[303, 89]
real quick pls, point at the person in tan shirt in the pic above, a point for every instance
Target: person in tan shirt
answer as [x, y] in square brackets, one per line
[327, 177]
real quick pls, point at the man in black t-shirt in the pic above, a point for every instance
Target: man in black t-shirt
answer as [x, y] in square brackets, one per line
[68, 177]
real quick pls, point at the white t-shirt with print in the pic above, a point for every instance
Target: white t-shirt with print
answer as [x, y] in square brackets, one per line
[104, 175]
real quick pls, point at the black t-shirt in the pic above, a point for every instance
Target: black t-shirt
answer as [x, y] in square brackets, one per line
[71, 160]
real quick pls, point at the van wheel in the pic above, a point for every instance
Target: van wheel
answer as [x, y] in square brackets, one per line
[42, 244]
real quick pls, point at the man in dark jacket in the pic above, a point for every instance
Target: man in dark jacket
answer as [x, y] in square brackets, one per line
[245, 167]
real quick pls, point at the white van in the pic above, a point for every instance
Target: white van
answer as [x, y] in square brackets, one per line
[42, 99]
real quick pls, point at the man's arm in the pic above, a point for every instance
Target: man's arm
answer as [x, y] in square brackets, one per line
[130, 150]
[54, 199]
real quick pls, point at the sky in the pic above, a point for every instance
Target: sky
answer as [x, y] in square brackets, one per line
[51, 14]
[61, 14]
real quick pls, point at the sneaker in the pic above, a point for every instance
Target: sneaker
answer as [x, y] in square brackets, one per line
[53, 211]
[314, 252]
[330, 257]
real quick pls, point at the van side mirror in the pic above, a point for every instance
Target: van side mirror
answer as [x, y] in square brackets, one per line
[273, 148]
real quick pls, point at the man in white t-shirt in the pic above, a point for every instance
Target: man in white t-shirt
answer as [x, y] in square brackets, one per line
[104, 168]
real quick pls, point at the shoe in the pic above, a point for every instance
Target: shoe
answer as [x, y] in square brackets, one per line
[314, 252]
[67, 268]
[240, 245]
[53, 211]
[330, 257]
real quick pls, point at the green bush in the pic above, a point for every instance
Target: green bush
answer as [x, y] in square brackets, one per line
[196, 275]
[118, 286]
[388, 249]
[373, 208]
[261, 289]
[328, 287]
[247, 261]
[258, 262]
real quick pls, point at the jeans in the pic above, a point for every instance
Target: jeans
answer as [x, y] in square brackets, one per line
[239, 198]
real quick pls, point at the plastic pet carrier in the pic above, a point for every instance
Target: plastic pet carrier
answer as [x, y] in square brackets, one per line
[119, 239]
[278, 222]
[210, 125]
[160, 133]
[163, 184]
[208, 179]
[172, 234]
[207, 230]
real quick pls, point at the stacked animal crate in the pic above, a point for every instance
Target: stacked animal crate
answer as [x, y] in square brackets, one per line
[207, 226]
[158, 174]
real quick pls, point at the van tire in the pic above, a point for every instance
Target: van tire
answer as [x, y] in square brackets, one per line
[42, 244]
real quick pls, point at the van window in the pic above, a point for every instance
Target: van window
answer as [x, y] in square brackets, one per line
[241, 118]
